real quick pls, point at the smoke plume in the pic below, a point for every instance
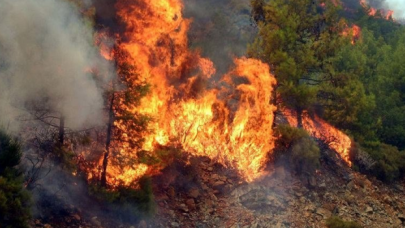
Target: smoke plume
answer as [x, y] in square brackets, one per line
[46, 53]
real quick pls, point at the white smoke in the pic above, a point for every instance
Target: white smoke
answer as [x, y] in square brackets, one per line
[46, 51]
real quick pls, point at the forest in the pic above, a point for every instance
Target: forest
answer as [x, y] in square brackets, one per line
[187, 113]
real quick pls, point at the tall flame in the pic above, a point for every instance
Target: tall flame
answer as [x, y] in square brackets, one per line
[229, 120]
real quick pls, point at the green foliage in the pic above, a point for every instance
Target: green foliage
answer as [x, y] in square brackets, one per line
[296, 147]
[299, 40]
[14, 199]
[127, 202]
[336, 222]
[288, 135]
[390, 163]
[10, 152]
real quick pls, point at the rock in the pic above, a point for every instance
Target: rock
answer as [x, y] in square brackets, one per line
[348, 177]
[174, 224]
[171, 192]
[280, 172]
[350, 185]
[312, 181]
[369, 209]
[399, 187]
[182, 207]
[95, 221]
[322, 185]
[218, 183]
[323, 212]
[142, 224]
[194, 193]
[310, 207]
[77, 217]
[191, 204]
[401, 217]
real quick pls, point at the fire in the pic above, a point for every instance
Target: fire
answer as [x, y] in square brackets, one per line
[354, 32]
[387, 14]
[320, 129]
[229, 120]
[102, 40]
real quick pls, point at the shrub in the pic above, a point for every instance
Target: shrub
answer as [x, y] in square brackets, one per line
[305, 155]
[295, 146]
[288, 135]
[390, 163]
[336, 222]
[128, 203]
[14, 199]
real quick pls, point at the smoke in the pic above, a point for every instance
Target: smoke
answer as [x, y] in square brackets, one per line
[46, 53]
[220, 29]
[398, 6]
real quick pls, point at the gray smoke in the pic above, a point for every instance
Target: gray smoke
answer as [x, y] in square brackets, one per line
[46, 51]
[220, 29]
[398, 6]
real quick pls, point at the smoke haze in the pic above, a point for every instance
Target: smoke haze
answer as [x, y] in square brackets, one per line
[46, 51]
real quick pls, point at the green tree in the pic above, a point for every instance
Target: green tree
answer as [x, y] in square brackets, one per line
[298, 39]
[14, 199]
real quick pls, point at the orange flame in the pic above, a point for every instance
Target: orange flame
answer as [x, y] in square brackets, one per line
[354, 32]
[320, 129]
[387, 14]
[229, 121]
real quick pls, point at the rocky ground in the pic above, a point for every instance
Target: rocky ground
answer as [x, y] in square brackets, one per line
[280, 199]
[201, 193]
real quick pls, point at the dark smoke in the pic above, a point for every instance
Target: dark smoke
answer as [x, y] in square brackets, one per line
[220, 29]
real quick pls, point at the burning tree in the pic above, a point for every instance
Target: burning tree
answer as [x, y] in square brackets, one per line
[126, 127]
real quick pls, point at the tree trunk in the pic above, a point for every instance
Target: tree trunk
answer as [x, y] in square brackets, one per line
[61, 131]
[107, 144]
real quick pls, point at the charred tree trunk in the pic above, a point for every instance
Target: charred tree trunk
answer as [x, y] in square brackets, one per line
[274, 101]
[108, 142]
[61, 131]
